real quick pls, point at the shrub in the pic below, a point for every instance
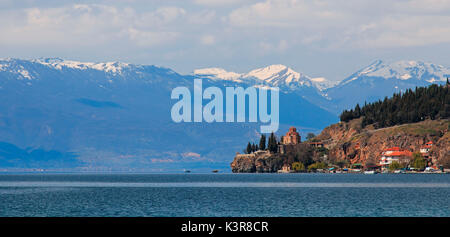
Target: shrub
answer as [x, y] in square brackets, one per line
[418, 161]
[298, 167]
[317, 165]
[395, 166]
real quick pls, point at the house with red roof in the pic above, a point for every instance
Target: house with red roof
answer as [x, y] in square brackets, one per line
[424, 150]
[396, 154]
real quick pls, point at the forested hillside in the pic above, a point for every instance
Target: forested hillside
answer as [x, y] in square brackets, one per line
[432, 102]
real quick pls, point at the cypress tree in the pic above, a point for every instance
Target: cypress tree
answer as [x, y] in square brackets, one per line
[262, 142]
[249, 148]
[273, 143]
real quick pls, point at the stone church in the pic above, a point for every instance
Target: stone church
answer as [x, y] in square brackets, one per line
[292, 137]
[289, 140]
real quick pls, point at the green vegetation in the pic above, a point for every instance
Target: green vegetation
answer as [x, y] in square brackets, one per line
[418, 161]
[310, 136]
[316, 166]
[262, 142]
[272, 145]
[395, 166]
[251, 147]
[322, 151]
[298, 167]
[423, 103]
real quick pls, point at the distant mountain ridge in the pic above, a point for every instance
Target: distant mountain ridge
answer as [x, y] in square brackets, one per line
[377, 80]
[273, 75]
[402, 70]
[116, 116]
[381, 79]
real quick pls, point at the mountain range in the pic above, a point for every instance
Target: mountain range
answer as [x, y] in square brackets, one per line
[371, 83]
[61, 114]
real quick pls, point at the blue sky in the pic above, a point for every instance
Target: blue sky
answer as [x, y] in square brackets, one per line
[326, 38]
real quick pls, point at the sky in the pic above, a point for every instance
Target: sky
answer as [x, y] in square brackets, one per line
[322, 38]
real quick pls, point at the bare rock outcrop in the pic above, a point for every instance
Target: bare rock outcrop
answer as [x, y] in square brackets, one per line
[257, 162]
[349, 141]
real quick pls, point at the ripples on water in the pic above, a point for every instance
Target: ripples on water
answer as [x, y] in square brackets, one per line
[224, 195]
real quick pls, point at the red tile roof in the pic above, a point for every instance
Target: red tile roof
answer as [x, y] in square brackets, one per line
[400, 153]
[393, 149]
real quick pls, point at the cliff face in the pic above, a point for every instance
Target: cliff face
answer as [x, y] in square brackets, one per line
[348, 141]
[258, 162]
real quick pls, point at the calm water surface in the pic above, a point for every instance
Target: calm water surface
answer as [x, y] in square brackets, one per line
[224, 195]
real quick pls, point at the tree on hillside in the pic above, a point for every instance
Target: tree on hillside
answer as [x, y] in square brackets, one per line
[262, 142]
[418, 161]
[411, 106]
[249, 148]
[395, 166]
[310, 136]
[273, 143]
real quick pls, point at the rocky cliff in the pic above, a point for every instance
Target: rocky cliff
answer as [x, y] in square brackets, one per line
[258, 162]
[349, 141]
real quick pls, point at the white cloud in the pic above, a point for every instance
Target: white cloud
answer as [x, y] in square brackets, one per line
[208, 40]
[90, 25]
[403, 31]
[202, 17]
[285, 14]
[150, 38]
[217, 3]
[347, 24]
[266, 47]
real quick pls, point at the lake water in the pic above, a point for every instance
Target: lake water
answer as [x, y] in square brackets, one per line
[234, 195]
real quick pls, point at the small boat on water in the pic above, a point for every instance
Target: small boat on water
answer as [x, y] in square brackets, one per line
[187, 171]
[369, 172]
[215, 171]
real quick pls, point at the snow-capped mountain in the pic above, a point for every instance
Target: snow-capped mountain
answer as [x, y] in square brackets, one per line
[57, 63]
[322, 83]
[381, 79]
[288, 80]
[28, 69]
[402, 70]
[64, 113]
[274, 75]
[280, 76]
[218, 74]
[369, 84]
